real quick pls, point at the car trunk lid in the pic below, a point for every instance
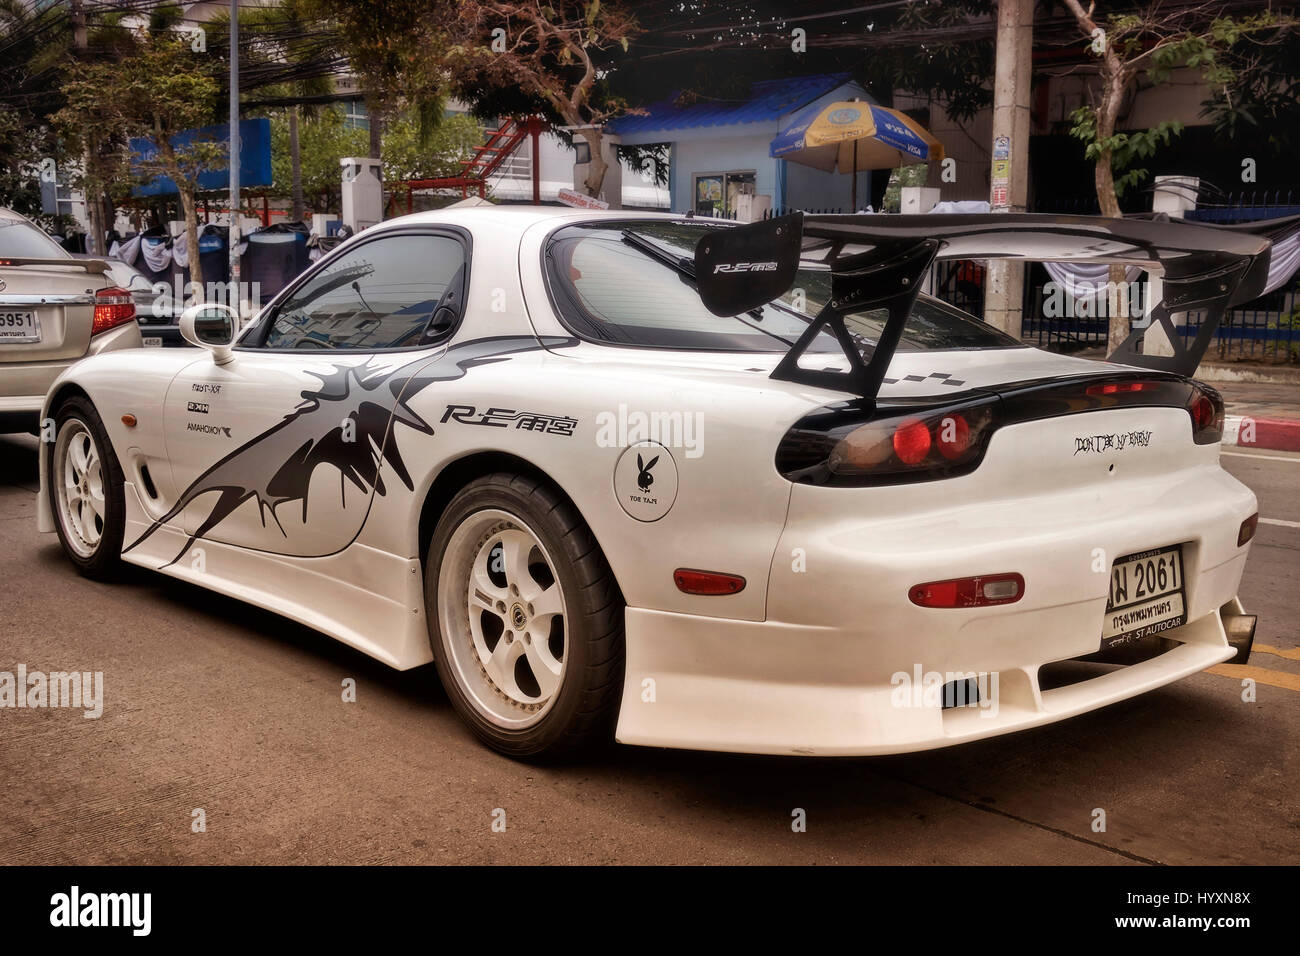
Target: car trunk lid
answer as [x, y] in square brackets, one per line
[47, 308]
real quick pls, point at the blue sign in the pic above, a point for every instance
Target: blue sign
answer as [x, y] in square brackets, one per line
[254, 157]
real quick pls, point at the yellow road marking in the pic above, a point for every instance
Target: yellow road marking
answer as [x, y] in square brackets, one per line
[1260, 675]
[1291, 654]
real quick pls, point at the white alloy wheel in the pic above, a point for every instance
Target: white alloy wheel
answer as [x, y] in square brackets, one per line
[505, 618]
[79, 484]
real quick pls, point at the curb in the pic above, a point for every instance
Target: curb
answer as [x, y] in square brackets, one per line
[1248, 374]
[1273, 434]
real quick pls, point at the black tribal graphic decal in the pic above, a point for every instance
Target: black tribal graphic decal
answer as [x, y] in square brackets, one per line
[276, 467]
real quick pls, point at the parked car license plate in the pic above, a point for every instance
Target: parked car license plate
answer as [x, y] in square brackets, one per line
[153, 341]
[1147, 596]
[19, 327]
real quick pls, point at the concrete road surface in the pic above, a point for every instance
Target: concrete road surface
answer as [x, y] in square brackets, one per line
[216, 707]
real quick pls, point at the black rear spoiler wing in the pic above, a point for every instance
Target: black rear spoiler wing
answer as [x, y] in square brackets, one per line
[93, 266]
[879, 261]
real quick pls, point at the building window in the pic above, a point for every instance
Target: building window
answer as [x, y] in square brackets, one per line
[716, 193]
[355, 115]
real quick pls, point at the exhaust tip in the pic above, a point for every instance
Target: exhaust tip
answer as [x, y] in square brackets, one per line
[1240, 631]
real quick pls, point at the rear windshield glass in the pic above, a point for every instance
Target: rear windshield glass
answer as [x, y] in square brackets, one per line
[22, 240]
[609, 288]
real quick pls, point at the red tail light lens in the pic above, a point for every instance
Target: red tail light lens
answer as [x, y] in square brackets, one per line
[113, 307]
[1119, 388]
[981, 591]
[690, 581]
[936, 443]
[912, 441]
[1206, 408]
[952, 436]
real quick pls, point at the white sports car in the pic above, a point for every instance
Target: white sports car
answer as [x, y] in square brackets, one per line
[683, 483]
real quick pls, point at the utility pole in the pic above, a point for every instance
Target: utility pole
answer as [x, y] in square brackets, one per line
[234, 154]
[1009, 174]
[94, 203]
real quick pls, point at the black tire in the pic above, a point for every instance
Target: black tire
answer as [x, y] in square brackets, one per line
[104, 559]
[581, 713]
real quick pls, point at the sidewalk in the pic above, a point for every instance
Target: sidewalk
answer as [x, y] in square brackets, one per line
[1261, 415]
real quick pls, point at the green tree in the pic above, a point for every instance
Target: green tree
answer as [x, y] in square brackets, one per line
[1151, 40]
[324, 139]
[410, 153]
[156, 90]
[35, 44]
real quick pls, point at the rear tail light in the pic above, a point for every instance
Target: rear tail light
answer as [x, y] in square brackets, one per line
[113, 307]
[1206, 408]
[981, 591]
[1247, 529]
[911, 441]
[893, 445]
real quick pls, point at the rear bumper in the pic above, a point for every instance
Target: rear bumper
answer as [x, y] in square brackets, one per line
[845, 664]
[709, 684]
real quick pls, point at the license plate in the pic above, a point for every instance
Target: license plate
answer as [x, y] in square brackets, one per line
[1147, 596]
[19, 327]
[153, 341]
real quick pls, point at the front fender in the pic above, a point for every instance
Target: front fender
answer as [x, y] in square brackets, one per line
[115, 381]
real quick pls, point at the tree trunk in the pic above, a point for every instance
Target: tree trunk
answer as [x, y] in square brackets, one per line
[596, 171]
[1104, 179]
[1118, 324]
[295, 161]
[94, 217]
[192, 236]
[110, 217]
[376, 132]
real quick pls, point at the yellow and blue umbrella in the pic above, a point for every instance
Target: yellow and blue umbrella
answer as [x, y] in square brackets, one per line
[853, 135]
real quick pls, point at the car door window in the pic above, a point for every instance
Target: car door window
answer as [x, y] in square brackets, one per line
[394, 292]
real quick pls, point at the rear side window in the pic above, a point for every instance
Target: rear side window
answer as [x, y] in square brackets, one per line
[608, 290]
[22, 240]
[398, 291]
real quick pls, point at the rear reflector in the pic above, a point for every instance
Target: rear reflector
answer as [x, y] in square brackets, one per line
[113, 307]
[707, 582]
[1247, 530]
[980, 591]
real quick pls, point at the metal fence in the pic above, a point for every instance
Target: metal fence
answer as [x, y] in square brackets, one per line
[1265, 330]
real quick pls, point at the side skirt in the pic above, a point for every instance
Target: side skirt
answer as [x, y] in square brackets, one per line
[368, 599]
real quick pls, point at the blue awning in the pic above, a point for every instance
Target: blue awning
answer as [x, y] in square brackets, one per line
[768, 100]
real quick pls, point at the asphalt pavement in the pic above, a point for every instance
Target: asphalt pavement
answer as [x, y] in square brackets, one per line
[214, 706]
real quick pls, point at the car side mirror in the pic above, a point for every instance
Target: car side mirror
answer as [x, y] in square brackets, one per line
[213, 327]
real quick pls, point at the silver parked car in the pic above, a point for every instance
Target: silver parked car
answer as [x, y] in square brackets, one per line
[54, 310]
